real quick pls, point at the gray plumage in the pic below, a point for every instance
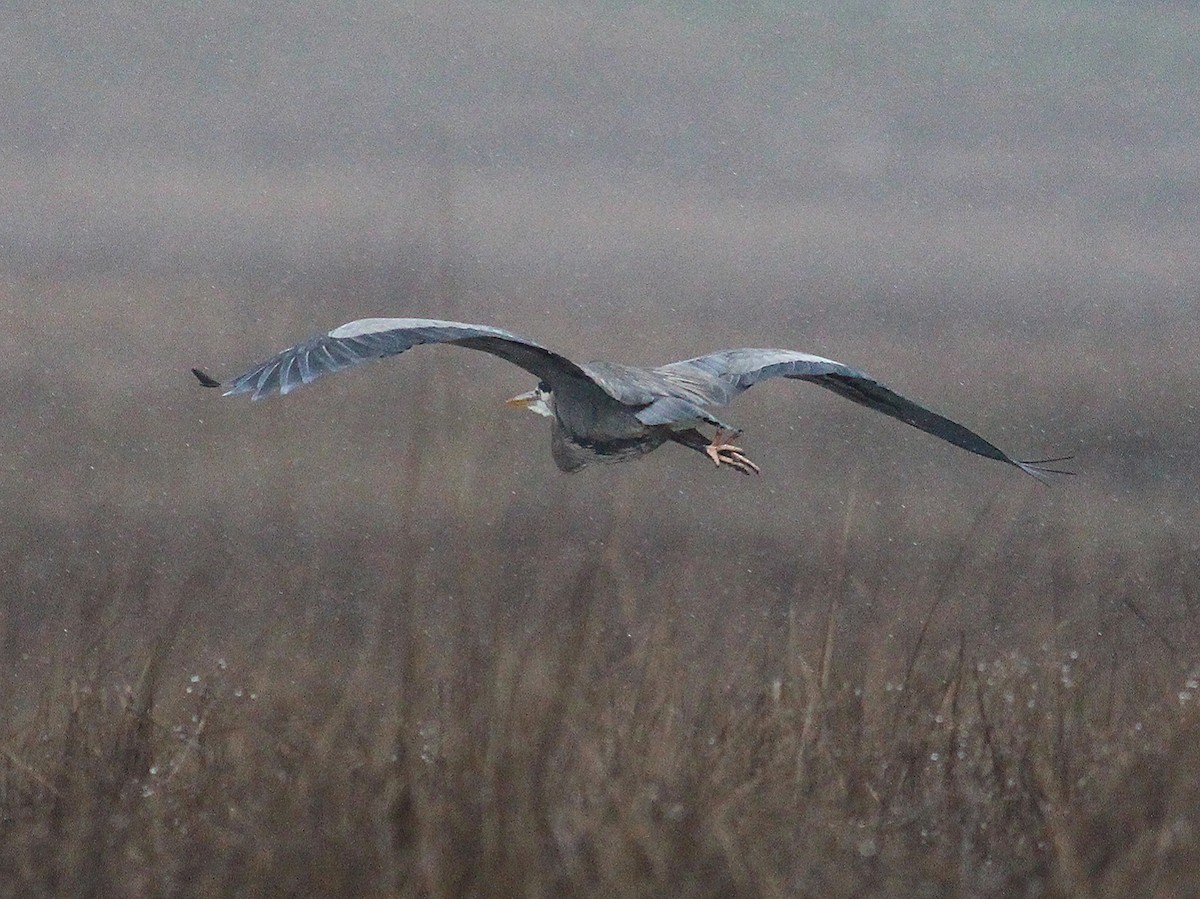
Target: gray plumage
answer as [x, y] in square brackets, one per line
[604, 412]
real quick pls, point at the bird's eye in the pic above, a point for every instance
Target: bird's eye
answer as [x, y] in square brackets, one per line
[543, 387]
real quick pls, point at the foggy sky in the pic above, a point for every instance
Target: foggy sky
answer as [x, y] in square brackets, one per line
[162, 134]
[991, 206]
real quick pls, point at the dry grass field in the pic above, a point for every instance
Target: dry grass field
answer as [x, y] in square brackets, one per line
[224, 712]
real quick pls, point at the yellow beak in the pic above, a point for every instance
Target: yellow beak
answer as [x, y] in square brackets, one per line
[522, 400]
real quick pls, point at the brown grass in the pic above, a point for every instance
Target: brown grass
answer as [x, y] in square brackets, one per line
[232, 714]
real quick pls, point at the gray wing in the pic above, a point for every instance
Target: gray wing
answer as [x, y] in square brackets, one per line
[720, 377]
[374, 338]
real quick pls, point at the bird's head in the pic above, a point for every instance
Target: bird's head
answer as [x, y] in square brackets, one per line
[539, 400]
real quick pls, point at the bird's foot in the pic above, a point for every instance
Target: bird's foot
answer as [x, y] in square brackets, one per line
[722, 452]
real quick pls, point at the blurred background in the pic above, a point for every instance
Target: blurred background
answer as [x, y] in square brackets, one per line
[992, 208]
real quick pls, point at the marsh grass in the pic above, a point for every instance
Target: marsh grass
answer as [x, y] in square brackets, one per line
[569, 744]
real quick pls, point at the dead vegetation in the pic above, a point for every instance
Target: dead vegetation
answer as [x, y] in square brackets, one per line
[375, 734]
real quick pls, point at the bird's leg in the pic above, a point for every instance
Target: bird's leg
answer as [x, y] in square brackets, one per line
[720, 450]
[715, 449]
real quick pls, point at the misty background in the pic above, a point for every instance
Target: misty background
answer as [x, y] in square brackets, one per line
[990, 207]
[367, 640]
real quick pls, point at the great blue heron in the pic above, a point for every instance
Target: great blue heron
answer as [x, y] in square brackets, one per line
[604, 412]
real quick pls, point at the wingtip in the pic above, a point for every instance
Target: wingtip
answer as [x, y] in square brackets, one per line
[1042, 470]
[205, 379]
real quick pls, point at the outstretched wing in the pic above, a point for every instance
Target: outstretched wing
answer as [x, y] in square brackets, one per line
[720, 377]
[374, 338]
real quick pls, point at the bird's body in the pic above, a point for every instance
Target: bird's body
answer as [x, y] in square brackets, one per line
[602, 411]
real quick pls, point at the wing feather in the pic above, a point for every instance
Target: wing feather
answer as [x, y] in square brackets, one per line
[722, 376]
[375, 338]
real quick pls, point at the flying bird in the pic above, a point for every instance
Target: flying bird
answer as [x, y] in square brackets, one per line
[605, 412]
